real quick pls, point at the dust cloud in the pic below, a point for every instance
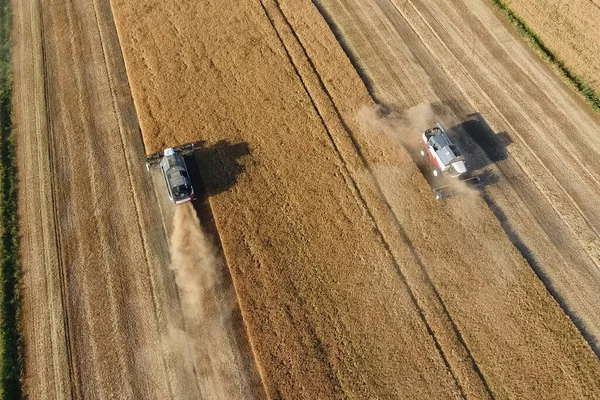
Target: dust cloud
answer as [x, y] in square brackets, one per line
[194, 259]
[206, 343]
[180, 344]
[405, 126]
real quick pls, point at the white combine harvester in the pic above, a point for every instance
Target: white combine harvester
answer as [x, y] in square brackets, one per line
[448, 162]
[174, 172]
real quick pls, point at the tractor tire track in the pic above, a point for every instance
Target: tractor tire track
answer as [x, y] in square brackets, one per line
[128, 163]
[94, 158]
[62, 268]
[58, 360]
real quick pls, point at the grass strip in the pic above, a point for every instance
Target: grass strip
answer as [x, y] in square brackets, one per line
[583, 87]
[11, 360]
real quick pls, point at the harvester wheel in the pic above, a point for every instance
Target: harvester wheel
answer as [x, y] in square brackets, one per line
[435, 172]
[423, 153]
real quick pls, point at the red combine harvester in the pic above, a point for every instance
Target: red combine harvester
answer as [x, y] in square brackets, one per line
[448, 163]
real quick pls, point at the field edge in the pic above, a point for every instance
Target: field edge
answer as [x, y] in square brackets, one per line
[11, 345]
[549, 55]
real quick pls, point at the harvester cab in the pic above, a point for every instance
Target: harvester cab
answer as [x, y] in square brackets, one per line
[174, 172]
[448, 163]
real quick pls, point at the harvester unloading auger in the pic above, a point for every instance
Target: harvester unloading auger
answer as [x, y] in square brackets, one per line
[448, 163]
[174, 171]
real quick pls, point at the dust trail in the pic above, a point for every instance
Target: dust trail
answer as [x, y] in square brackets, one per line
[405, 126]
[397, 132]
[207, 342]
[194, 260]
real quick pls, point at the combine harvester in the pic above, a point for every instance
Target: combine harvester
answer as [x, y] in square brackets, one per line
[448, 162]
[174, 171]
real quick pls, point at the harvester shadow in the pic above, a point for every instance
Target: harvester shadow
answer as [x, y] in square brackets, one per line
[216, 168]
[480, 142]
